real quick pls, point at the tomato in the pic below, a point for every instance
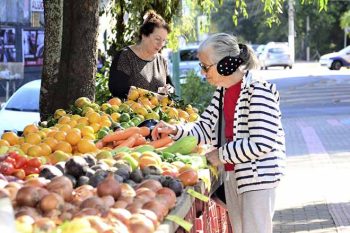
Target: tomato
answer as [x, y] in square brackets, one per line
[31, 170]
[6, 168]
[20, 162]
[14, 154]
[10, 160]
[34, 162]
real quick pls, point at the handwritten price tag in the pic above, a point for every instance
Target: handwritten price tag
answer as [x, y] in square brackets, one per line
[179, 221]
[198, 195]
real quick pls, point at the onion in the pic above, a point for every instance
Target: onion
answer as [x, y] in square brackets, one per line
[120, 204]
[150, 215]
[118, 226]
[94, 202]
[28, 196]
[52, 201]
[62, 186]
[87, 211]
[151, 184]
[139, 223]
[26, 211]
[158, 208]
[127, 190]
[108, 200]
[120, 214]
[171, 196]
[82, 193]
[109, 186]
[37, 182]
[128, 200]
[145, 193]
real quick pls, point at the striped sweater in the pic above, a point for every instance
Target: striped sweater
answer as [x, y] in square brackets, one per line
[258, 150]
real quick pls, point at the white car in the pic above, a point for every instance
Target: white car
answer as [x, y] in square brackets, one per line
[334, 61]
[276, 54]
[188, 62]
[21, 109]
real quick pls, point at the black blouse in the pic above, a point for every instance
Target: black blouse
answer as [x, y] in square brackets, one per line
[128, 69]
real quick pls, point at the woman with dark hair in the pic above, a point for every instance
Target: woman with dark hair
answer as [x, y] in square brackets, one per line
[141, 64]
[243, 124]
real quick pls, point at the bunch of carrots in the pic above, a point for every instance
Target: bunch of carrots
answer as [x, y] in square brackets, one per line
[132, 137]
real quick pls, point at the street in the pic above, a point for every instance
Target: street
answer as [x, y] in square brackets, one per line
[315, 103]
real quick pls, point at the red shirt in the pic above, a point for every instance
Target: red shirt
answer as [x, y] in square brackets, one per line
[230, 100]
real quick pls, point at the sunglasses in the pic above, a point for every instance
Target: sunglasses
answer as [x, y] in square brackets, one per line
[206, 68]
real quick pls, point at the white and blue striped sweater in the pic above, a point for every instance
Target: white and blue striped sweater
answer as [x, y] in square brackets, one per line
[258, 150]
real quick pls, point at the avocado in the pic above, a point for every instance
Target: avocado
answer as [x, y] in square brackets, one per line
[176, 186]
[153, 177]
[90, 159]
[82, 180]
[50, 171]
[136, 175]
[151, 170]
[98, 177]
[123, 173]
[75, 166]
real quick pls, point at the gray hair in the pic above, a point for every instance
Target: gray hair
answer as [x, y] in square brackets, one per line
[223, 45]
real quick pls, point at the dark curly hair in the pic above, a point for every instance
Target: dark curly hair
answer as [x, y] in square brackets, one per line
[152, 20]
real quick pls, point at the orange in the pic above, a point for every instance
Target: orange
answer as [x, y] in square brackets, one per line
[21, 140]
[10, 137]
[64, 127]
[82, 101]
[87, 130]
[32, 128]
[165, 101]
[63, 146]
[184, 115]
[89, 136]
[94, 117]
[193, 117]
[105, 123]
[85, 146]
[172, 113]
[141, 111]
[51, 142]
[105, 106]
[73, 123]
[75, 117]
[59, 113]
[45, 149]
[115, 101]
[4, 142]
[25, 146]
[33, 138]
[154, 100]
[51, 133]
[83, 120]
[64, 120]
[115, 116]
[34, 151]
[133, 94]
[60, 135]
[73, 137]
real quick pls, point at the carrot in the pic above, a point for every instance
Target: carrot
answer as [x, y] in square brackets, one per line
[128, 142]
[161, 142]
[117, 143]
[99, 144]
[141, 140]
[145, 131]
[121, 135]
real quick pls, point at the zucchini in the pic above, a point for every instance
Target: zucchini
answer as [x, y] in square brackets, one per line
[183, 146]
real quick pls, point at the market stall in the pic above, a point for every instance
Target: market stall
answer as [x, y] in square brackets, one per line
[95, 168]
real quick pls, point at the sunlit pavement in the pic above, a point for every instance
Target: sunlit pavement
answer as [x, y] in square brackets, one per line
[314, 195]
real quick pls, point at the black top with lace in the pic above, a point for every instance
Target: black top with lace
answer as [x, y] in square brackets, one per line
[128, 69]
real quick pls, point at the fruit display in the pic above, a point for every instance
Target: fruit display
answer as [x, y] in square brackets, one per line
[94, 168]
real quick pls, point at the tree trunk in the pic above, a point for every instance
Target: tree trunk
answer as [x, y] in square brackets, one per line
[52, 54]
[77, 64]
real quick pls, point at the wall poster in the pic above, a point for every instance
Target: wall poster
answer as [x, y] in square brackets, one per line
[32, 47]
[7, 45]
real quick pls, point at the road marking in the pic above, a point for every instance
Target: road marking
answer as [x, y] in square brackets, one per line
[313, 142]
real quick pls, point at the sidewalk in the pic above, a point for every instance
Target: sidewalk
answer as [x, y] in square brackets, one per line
[314, 195]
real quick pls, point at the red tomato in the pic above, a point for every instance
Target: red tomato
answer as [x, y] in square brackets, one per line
[6, 168]
[14, 154]
[10, 160]
[31, 170]
[34, 162]
[20, 162]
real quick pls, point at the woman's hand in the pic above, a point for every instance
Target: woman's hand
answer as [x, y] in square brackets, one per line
[162, 129]
[213, 157]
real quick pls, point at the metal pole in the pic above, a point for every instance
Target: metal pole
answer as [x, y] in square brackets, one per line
[291, 28]
[307, 38]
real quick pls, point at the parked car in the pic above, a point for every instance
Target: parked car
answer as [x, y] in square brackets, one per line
[276, 54]
[188, 62]
[336, 60]
[21, 109]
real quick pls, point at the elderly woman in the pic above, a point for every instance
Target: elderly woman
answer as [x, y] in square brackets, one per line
[254, 150]
[141, 64]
